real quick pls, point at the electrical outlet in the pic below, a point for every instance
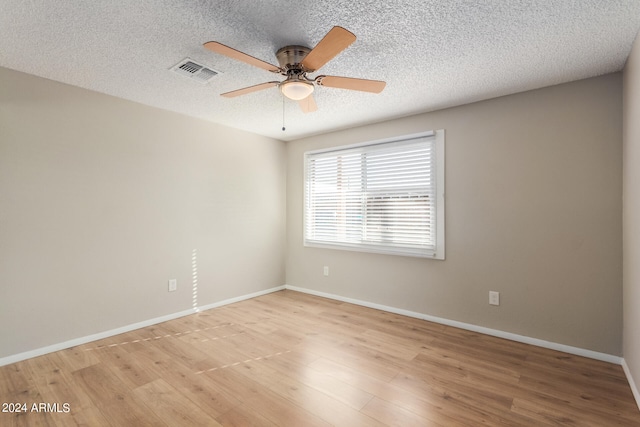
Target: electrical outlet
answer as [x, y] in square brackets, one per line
[494, 298]
[173, 285]
[326, 270]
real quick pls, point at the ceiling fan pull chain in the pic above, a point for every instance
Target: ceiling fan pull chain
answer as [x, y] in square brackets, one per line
[283, 128]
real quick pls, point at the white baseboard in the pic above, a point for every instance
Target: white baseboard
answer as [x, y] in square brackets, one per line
[467, 326]
[632, 383]
[106, 334]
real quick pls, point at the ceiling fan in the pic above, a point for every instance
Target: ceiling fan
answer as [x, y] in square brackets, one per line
[295, 63]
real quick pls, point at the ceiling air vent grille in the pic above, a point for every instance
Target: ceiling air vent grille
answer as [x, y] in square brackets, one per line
[194, 71]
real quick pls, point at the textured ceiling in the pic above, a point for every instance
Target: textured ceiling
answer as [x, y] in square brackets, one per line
[432, 54]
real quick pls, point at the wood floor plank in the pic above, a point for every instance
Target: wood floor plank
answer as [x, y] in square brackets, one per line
[128, 367]
[28, 419]
[433, 405]
[212, 398]
[310, 399]
[56, 388]
[88, 416]
[242, 416]
[19, 387]
[128, 410]
[459, 402]
[482, 347]
[263, 400]
[360, 362]
[551, 412]
[293, 359]
[392, 323]
[295, 365]
[459, 366]
[16, 383]
[171, 406]
[98, 382]
[393, 415]
[328, 384]
[575, 398]
[79, 357]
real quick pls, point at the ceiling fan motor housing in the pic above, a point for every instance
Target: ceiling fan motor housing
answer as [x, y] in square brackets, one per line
[290, 57]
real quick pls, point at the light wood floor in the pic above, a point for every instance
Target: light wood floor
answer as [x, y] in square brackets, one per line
[291, 359]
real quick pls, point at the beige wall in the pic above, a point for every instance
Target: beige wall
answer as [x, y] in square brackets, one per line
[631, 213]
[533, 190]
[103, 200]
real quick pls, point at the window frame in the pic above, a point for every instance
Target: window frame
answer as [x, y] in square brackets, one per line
[438, 139]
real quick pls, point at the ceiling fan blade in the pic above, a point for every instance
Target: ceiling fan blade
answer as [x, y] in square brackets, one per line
[240, 56]
[334, 42]
[308, 104]
[249, 89]
[374, 86]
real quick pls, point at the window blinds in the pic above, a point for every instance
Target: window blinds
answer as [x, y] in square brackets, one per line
[379, 197]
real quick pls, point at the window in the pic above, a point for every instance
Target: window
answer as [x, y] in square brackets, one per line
[383, 196]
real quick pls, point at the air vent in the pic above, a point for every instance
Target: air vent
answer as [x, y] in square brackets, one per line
[194, 71]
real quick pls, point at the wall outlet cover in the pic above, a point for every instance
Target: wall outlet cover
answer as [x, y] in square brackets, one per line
[494, 298]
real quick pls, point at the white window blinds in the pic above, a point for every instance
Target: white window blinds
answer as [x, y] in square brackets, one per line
[379, 197]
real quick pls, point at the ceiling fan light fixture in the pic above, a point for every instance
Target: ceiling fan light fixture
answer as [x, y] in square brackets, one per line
[296, 89]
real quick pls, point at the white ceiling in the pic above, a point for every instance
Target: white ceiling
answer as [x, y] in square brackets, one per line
[432, 53]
